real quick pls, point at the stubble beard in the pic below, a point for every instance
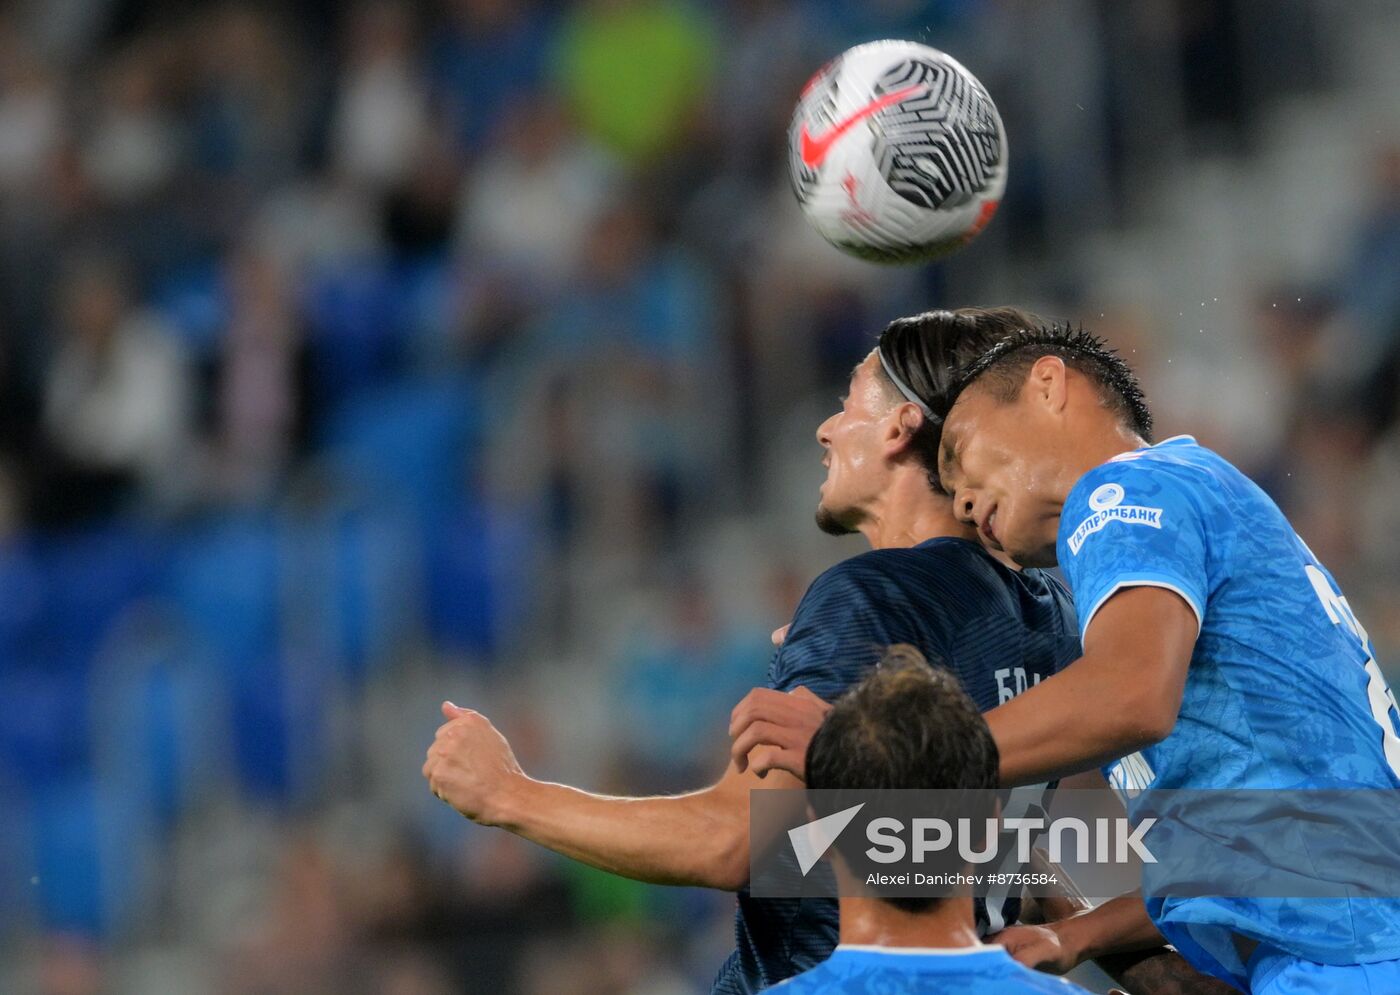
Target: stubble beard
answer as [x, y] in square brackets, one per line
[829, 523]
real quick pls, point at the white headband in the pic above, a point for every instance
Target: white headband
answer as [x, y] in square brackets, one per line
[909, 395]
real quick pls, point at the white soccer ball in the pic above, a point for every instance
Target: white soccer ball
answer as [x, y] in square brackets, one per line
[897, 152]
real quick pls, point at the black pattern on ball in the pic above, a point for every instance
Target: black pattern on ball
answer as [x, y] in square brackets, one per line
[941, 148]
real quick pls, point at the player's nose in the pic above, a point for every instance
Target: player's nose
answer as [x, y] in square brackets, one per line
[824, 432]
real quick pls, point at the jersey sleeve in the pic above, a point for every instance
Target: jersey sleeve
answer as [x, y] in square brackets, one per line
[837, 634]
[1135, 523]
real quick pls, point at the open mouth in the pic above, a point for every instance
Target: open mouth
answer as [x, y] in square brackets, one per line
[988, 529]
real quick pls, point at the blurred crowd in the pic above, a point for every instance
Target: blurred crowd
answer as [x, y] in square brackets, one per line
[355, 356]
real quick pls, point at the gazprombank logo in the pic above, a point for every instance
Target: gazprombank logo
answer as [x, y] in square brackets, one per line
[1107, 504]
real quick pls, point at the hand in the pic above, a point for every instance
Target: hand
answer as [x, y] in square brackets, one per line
[771, 729]
[780, 634]
[471, 766]
[1038, 947]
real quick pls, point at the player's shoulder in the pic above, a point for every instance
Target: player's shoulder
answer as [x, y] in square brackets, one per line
[1004, 975]
[1177, 468]
[928, 560]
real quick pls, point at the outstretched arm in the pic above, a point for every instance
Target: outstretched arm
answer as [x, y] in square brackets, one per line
[700, 838]
[1123, 694]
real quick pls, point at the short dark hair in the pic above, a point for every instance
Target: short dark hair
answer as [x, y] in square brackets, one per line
[927, 352]
[1004, 366]
[906, 725]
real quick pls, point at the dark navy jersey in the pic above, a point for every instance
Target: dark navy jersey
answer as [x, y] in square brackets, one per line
[1000, 631]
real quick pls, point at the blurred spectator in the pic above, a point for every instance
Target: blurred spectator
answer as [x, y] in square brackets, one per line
[247, 86]
[261, 380]
[71, 965]
[31, 115]
[117, 401]
[1369, 291]
[485, 54]
[133, 146]
[303, 942]
[382, 116]
[679, 678]
[531, 201]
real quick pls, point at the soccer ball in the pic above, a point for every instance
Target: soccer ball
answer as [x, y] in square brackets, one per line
[897, 153]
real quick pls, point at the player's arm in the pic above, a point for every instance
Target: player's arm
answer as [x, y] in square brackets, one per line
[1120, 939]
[1061, 930]
[700, 838]
[1123, 694]
[1141, 587]
[1086, 933]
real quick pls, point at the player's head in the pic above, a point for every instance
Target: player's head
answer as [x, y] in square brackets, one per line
[905, 726]
[1024, 421]
[887, 419]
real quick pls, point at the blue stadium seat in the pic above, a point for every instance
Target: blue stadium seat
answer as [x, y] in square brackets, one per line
[278, 711]
[22, 609]
[479, 577]
[16, 851]
[44, 724]
[411, 442]
[160, 716]
[193, 302]
[225, 579]
[91, 578]
[357, 577]
[356, 317]
[87, 857]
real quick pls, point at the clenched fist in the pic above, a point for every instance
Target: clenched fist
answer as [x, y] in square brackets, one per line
[472, 767]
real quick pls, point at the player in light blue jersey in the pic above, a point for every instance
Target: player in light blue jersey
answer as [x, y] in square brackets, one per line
[1214, 643]
[907, 726]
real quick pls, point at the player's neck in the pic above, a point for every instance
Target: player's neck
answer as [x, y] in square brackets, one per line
[1105, 439]
[873, 922]
[910, 512]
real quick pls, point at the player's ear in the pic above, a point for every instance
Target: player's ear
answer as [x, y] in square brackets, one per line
[901, 428]
[1047, 384]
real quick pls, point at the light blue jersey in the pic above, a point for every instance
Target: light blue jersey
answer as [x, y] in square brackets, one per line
[1283, 689]
[854, 970]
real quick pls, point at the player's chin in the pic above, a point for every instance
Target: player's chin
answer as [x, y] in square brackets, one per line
[832, 522]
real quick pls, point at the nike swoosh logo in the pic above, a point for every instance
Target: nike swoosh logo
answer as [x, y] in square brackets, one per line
[815, 147]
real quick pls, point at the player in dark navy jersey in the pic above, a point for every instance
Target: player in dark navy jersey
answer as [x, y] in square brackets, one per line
[926, 582]
[999, 631]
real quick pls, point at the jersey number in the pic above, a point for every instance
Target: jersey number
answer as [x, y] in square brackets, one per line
[1383, 706]
[1011, 681]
